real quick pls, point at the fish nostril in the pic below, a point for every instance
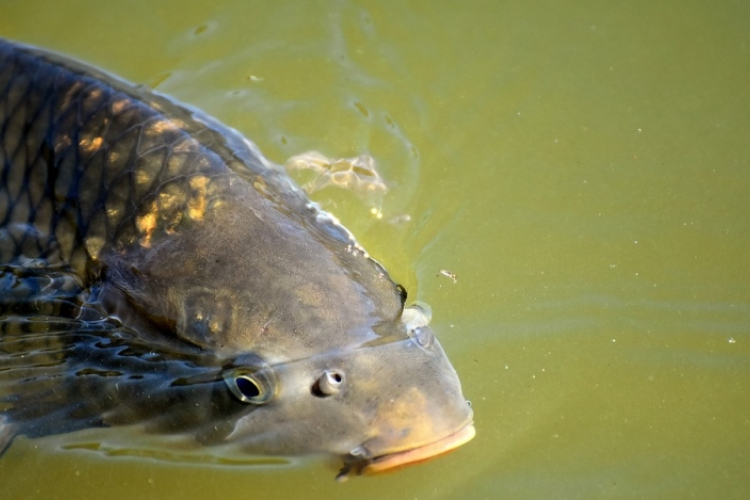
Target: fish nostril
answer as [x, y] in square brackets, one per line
[328, 384]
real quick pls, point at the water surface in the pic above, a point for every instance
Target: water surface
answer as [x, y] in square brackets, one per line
[582, 167]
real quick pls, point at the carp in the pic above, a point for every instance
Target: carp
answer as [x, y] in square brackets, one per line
[220, 304]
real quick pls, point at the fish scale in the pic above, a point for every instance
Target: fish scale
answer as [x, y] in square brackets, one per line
[61, 132]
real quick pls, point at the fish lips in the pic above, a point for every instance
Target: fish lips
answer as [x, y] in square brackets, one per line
[396, 460]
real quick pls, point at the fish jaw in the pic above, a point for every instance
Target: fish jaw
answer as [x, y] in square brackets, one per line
[422, 453]
[413, 456]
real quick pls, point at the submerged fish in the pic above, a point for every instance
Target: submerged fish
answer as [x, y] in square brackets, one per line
[231, 309]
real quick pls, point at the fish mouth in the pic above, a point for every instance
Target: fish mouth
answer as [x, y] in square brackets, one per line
[421, 453]
[412, 456]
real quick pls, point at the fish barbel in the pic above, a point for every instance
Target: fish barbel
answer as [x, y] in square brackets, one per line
[249, 315]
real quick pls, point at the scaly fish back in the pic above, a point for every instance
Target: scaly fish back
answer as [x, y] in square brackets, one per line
[90, 163]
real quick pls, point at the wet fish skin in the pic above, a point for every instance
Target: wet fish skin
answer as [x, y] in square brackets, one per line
[161, 171]
[178, 226]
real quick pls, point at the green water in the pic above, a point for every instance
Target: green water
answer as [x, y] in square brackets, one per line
[582, 167]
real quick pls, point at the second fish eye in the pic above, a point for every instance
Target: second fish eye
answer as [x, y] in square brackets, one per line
[423, 336]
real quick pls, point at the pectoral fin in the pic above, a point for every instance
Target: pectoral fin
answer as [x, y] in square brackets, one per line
[7, 433]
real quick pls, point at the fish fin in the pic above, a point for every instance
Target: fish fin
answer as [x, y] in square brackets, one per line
[7, 433]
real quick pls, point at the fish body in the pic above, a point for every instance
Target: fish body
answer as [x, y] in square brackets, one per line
[250, 315]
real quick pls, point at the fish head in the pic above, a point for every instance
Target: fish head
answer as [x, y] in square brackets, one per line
[385, 403]
[322, 352]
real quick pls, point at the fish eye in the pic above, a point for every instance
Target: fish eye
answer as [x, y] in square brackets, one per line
[416, 315]
[248, 387]
[423, 336]
[328, 384]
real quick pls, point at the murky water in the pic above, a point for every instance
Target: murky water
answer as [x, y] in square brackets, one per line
[583, 168]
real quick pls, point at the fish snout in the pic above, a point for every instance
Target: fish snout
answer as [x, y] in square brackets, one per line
[424, 414]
